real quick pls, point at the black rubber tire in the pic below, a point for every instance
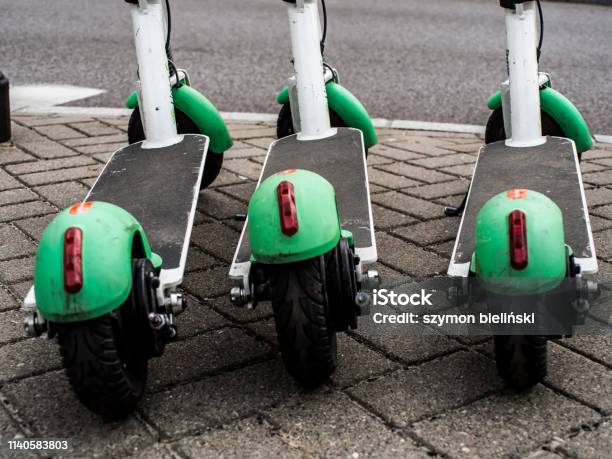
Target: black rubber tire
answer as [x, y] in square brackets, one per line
[284, 125]
[301, 311]
[184, 125]
[495, 130]
[103, 375]
[521, 360]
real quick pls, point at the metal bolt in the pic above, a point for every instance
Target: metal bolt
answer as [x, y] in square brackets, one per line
[156, 321]
[239, 297]
[177, 303]
[363, 302]
[33, 325]
[371, 280]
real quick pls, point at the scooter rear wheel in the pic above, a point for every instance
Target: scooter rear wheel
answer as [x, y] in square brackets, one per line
[521, 360]
[106, 358]
[301, 307]
[184, 125]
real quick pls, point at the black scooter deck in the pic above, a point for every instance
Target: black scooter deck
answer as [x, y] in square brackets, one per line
[159, 187]
[341, 160]
[551, 169]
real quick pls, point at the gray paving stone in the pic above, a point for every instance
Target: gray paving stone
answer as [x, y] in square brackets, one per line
[243, 167]
[426, 145]
[408, 258]
[595, 347]
[584, 379]
[386, 218]
[11, 326]
[64, 194]
[409, 205]
[198, 318]
[430, 388]
[16, 195]
[102, 148]
[254, 133]
[46, 120]
[13, 243]
[26, 358]
[389, 180]
[464, 170]
[198, 260]
[62, 175]
[154, 451]
[48, 165]
[23, 210]
[226, 177]
[40, 146]
[58, 132]
[85, 141]
[241, 192]
[20, 290]
[357, 362]
[590, 444]
[417, 173]
[263, 142]
[34, 227]
[186, 360]
[8, 428]
[208, 284]
[598, 178]
[263, 310]
[265, 329]
[217, 239]
[12, 154]
[599, 224]
[195, 407]
[220, 206]
[7, 301]
[249, 152]
[12, 271]
[7, 182]
[251, 437]
[394, 153]
[431, 232]
[457, 187]
[515, 424]
[95, 128]
[52, 410]
[346, 430]
[444, 161]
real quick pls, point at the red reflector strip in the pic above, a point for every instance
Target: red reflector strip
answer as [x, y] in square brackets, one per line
[73, 260]
[518, 240]
[288, 211]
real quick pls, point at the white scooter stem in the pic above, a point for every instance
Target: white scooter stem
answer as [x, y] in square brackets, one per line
[308, 63]
[521, 34]
[155, 93]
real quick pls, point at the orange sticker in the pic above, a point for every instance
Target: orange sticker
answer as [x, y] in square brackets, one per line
[288, 171]
[516, 194]
[80, 208]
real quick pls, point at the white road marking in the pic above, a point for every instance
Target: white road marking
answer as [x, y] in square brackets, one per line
[23, 97]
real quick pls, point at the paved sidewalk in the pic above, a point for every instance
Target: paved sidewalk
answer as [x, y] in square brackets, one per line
[222, 389]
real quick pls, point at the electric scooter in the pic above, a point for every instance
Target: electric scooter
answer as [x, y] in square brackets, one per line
[107, 269]
[525, 236]
[309, 230]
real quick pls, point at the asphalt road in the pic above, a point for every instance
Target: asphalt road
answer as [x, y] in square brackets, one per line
[433, 61]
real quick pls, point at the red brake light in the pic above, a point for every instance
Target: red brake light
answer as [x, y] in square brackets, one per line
[518, 240]
[288, 211]
[73, 260]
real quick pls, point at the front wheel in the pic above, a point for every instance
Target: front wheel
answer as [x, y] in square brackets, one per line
[184, 125]
[495, 130]
[301, 307]
[284, 125]
[521, 360]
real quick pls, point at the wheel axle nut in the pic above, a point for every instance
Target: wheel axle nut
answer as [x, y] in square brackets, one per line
[371, 280]
[33, 325]
[363, 302]
[239, 297]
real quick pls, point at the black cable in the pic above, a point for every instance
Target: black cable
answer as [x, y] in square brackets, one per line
[169, 27]
[541, 28]
[324, 36]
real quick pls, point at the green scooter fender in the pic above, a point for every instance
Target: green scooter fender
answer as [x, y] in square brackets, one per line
[201, 111]
[110, 237]
[348, 107]
[560, 109]
[546, 250]
[317, 216]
